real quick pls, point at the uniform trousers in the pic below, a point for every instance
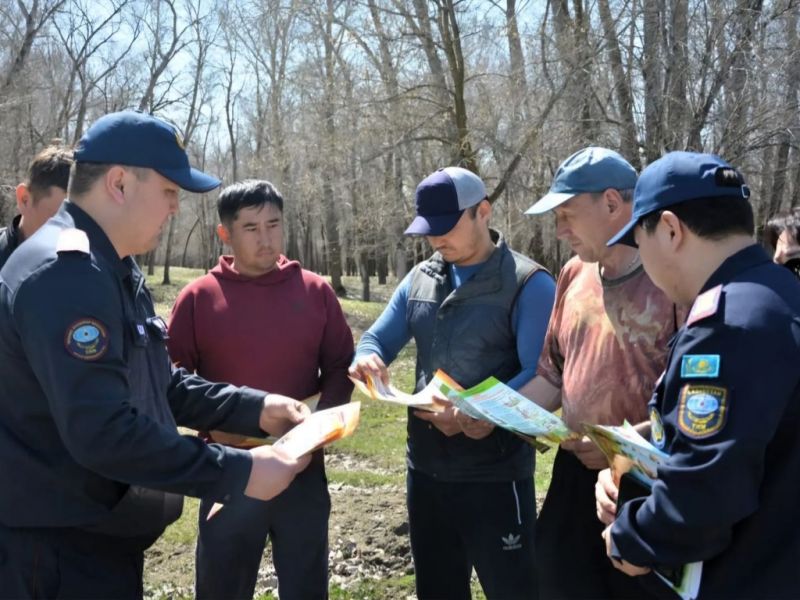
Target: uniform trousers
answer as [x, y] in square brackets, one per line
[70, 563]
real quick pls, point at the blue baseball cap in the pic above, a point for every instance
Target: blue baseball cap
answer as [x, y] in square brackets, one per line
[441, 199]
[137, 139]
[591, 170]
[677, 177]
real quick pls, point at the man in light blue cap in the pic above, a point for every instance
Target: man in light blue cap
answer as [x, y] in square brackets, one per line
[475, 308]
[605, 346]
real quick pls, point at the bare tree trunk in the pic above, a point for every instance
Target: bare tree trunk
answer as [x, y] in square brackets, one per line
[186, 242]
[230, 119]
[35, 18]
[785, 137]
[745, 18]
[203, 42]
[420, 23]
[451, 40]
[519, 79]
[677, 69]
[651, 71]
[168, 250]
[622, 88]
[393, 161]
[161, 57]
[573, 53]
[151, 262]
[331, 217]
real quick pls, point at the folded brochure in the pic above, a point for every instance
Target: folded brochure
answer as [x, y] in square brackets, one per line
[317, 430]
[373, 387]
[628, 453]
[320, 429]
[246, 442]
[491, 400]
[494, 401]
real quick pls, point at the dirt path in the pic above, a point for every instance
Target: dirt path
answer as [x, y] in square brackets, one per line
[368, 540]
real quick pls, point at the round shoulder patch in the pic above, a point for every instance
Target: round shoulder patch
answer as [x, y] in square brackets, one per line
[86, 339]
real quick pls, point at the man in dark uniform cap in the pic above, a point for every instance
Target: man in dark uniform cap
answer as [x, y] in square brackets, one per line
[93, 468]
[727, 408]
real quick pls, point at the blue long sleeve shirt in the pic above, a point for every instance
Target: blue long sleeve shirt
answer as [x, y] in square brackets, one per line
[529, 318]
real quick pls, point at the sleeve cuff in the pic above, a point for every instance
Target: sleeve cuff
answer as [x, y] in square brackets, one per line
[625, 541]
[236, 467]
[248, 413]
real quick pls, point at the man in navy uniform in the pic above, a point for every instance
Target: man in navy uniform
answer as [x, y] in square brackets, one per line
[38, 197]
[727, 408]
[93, 468]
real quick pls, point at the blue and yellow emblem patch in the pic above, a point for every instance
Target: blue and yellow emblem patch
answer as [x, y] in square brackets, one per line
[697, 366]
[86, 339]
[656, 428]
[703, 410]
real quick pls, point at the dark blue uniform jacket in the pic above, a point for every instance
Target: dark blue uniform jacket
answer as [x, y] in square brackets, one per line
[9, 240]
[727, 411]
[89, 400]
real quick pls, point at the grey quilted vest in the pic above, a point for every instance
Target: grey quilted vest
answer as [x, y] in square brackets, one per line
[468, 333]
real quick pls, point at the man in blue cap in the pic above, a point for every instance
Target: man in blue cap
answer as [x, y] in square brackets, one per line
[475, 308]
[727, 408]
[605, 346]
[93, 468]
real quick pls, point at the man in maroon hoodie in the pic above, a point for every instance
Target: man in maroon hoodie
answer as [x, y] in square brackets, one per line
[258, 319]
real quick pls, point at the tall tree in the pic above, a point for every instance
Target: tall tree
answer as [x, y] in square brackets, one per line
[622, 88]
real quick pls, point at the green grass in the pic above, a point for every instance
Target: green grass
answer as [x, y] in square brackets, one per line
[396, 587]
[164, 295]
[184, 530]
[399, 587]
[381, 433]
[379, 440]
[364, 478]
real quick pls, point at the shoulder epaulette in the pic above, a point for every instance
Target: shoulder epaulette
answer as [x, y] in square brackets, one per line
[705, 305]
[73, 240]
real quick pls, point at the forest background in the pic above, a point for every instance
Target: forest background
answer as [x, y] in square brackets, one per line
[347, 104]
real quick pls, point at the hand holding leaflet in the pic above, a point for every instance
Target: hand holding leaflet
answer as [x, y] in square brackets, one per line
[374, 388]
[634, 466]
[320, 429]
[243, 441]
[494, 401]
[627, 451]
[317, 430]
[490, 400]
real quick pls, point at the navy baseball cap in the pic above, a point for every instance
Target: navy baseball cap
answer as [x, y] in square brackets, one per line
[441, 199]
[140, 140]
[591, 170]
[677, 177]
